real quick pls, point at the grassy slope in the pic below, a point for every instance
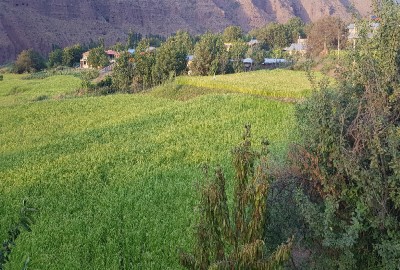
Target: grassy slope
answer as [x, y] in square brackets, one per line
[276, 83]
[114, 177]
[15, 90]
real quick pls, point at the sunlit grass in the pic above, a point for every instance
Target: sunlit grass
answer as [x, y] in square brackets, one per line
[15, 90]
[114, 177]
[276, 83]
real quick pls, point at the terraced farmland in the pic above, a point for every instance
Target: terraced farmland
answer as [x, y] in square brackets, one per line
[114, 177]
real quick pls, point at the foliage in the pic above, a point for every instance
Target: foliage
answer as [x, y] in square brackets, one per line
[349, 157]
[238, 52]
[29, 61]
[97, 167]
[295, 28]
[273, 35]
[210, 56]
[1, 77]
[98, 58]
[87, 77]
[232, 34]
[133, 39]
[123, 73]
[72, 55]
[56, 57]
[24, 223]
[226, 241]
[171, 58]
[325, 34]
[145, 59]
[185, 40]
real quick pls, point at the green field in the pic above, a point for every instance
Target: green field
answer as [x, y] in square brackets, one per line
[15, 89]
[278, 83]
[114, 177]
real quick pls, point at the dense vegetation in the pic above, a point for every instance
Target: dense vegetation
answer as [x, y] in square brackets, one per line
[349, 156]
[113, 177]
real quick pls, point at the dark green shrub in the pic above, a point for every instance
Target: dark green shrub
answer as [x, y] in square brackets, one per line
[350, 154]
[24, 223]
[29, 61]
[234, 239]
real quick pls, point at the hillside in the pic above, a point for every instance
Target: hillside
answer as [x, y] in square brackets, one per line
[39, 24]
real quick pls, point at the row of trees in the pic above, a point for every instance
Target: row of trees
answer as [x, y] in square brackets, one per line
[273, 37]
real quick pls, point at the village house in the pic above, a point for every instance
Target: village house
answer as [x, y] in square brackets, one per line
[84, 60]
[297, 48]
[112, 56]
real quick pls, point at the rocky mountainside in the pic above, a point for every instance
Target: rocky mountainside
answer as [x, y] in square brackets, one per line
[40, 23]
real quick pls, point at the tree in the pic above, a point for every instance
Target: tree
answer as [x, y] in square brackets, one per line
[209, 55]
[349, 156]
[170, 59]
[226, 241]
[232, 34]
[29, 61]
[274, 35]
[98, 58]
[145, 60]
[55, 57]
[326, 34]
[133, 39]
[296, 28]
[237, 54]
[185, 41]
[72, 55]
[122, 76]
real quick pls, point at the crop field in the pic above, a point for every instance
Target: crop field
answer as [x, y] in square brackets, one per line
[15, 89]
[277, 83]
[114, 177]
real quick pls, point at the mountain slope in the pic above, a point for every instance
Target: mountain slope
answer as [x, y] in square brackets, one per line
[39, 24]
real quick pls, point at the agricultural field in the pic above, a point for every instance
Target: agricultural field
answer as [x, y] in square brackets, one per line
[114, 178]
[278, 83]
[16, 89]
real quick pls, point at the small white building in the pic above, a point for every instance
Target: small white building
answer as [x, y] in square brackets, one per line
[297, 48]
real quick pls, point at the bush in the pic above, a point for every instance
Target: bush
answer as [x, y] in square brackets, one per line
[29, 61]
[226, 241]
[350, 154]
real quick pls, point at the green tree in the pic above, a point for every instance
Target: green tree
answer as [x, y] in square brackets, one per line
[170, 59]
[296, 28]
[72, 55]
[55, 57]
[123, 73]
[350, 154]
[185, 41]
[133, 39]
[98, 58]
[237, 54]
[273, 35]
[145, 60]
[232, 34]
[235, 241]
[29, 61]
[209, 55]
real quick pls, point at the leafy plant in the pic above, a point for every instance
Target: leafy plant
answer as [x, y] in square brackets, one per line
[24, 223]
[229, 240]
[349, 156]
